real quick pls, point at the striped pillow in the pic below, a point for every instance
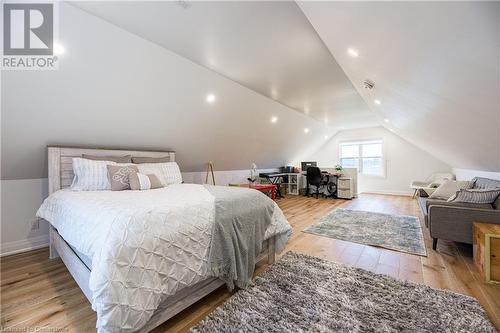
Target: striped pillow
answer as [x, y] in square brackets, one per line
[90, 175]
[480, 196]
[168, 173]
[485, 183]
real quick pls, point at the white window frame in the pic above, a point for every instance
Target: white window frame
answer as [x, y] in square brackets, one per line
[360, 144]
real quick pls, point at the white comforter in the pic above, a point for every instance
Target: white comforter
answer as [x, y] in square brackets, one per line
[144, 245]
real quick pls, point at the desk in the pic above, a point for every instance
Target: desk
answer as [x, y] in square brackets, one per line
[263, 188]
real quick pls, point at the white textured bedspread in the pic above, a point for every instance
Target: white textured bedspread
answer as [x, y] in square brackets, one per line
[144, 245]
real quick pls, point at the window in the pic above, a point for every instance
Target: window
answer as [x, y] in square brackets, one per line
[367, 156]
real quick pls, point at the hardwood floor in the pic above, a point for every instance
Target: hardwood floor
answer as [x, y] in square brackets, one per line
[38, 292]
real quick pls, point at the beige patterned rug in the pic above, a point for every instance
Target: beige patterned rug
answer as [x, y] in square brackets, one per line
[395, 232]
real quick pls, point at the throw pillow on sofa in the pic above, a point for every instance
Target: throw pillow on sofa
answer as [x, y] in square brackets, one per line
[479, 196]
[449, 188]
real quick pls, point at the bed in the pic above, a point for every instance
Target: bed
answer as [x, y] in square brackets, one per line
[73, 234]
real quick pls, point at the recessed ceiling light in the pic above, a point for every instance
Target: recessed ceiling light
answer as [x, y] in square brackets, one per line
[306, 130]
[210, 98]
[353, 53]
[326, 137]
[274, 119]
[386, 120]
[377, 101]
[58, 49]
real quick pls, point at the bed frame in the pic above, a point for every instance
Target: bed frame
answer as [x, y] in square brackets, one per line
[61, 175]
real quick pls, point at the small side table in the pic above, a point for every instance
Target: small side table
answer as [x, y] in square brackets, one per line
[265, 188]
[486, 247]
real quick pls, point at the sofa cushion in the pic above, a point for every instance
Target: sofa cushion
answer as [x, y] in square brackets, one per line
[431, 202]
[496, 204]
[485, 183]
[449, 188]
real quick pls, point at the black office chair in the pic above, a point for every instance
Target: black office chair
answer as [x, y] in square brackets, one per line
[314, 178]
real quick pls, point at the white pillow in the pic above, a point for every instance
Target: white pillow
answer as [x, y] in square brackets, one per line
[90, 175]
[168, 173]
[449, 188]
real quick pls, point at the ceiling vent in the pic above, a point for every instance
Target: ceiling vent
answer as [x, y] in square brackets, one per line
[184, 4]
[368, 84]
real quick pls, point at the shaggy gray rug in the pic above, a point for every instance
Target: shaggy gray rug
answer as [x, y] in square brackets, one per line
[394, 232]
[301, 293]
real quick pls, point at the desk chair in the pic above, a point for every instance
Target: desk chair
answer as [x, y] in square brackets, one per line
[314, 178]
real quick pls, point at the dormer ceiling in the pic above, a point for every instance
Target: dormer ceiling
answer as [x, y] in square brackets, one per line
[269, 47]
[435, 66]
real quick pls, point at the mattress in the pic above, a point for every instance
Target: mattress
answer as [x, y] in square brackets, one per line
[142, 246]
[85, 259]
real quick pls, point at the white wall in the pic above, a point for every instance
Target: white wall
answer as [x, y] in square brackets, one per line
[468, 174]
[20, 201]
[404, 162]
[221, 177]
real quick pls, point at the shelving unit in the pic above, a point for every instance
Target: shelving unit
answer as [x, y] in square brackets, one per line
[293, 183]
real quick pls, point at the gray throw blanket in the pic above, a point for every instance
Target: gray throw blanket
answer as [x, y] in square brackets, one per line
[242, 217]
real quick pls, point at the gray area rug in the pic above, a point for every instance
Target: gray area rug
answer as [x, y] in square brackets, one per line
[301, 293]
[395, 232]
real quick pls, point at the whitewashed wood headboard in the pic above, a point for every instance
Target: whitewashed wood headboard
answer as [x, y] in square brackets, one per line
[60, 160]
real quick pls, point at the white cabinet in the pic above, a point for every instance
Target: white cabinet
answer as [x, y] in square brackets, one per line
[345, 188]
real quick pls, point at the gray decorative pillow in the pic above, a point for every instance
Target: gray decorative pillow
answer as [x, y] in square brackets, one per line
[485, 183]
[480, 196]
[139, 160]
[449, 188]
[119, 176]
[140, 181]
[117, 159]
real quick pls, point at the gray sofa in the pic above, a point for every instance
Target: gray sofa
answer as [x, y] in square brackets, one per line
[453, 220]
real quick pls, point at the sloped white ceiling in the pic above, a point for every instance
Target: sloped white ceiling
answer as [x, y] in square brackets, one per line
[269, 47]
[116, 89]
[435, 66]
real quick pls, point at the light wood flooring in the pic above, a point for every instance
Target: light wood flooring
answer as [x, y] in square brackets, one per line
[38, 292]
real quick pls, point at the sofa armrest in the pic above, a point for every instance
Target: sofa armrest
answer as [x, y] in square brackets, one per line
[455, 223]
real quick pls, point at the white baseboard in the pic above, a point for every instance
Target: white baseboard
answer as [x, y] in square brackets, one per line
[24, 245]
[406, 194]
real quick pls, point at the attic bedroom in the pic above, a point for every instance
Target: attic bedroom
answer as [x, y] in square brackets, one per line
[250, 166]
